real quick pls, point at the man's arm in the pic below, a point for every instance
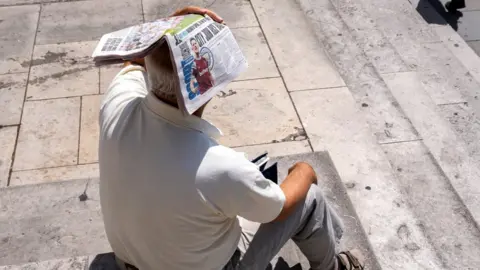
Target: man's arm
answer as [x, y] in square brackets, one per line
[295, 187]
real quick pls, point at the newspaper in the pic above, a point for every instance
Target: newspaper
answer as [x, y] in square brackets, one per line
[204, 53]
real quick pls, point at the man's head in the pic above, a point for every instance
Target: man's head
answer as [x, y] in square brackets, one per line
[194, 45]
[161, 75]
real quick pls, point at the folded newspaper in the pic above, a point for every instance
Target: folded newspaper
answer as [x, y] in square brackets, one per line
[204, 53]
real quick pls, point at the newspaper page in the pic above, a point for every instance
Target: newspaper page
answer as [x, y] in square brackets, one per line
[134, 40]
[207, 58]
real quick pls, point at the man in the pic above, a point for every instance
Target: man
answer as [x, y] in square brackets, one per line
[172, 198]
[200, 69]
[454, 5]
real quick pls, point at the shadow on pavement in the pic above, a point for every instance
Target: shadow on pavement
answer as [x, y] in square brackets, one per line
[431, 9]
[106, 261]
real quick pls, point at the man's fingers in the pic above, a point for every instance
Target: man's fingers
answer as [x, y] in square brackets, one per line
[198, 10]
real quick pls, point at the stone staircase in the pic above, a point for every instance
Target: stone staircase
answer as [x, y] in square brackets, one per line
[401, 161]
[59, 225]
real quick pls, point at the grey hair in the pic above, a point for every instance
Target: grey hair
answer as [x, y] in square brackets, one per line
[161, 75]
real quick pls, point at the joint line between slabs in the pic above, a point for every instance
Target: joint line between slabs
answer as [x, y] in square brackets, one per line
[281, 76]
[24, 96]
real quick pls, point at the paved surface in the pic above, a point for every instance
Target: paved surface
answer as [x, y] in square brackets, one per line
[392, 97]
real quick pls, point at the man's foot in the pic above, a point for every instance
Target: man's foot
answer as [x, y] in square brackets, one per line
[350, 260]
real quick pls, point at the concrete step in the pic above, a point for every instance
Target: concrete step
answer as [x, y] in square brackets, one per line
[400, 78]
[42, 224]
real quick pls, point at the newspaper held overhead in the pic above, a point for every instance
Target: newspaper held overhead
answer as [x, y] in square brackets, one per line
[204, 53]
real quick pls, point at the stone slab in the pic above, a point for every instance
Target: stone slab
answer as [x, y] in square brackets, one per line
[48, 175]
[255, 48]
[466, 125]
[311, 67]
[468, 28]
[379, 51]
[236, 13]
[50, 237]
[449, 151]
[48, 134]
[17, 29]
[63, 70]
[12, 93]
[444, 77]
[92, 19]
[89, 129]
[276, 149]
[8, 137]
[107, 73]
[76, 263]
[55, 198]
[334, 123]
[441, 214]
[245, 111]
[342, 48]
[461, 49]
[382, 112]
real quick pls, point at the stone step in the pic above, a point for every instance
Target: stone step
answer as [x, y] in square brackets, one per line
[41, 224]
[370, 46]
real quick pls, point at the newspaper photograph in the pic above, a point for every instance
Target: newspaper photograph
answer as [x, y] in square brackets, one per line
[207, 58]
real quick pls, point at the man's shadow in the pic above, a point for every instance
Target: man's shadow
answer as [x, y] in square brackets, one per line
[106, 261]
[434, 12]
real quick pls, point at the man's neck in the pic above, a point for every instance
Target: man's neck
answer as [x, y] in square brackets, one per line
[197, 113]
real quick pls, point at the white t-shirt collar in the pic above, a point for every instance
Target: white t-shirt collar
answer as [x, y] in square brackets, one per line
[176, 117]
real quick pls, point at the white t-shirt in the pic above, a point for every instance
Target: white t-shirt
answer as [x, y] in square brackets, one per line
[170, 194]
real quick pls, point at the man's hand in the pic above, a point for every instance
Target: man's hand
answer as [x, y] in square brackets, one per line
[305, 169]
[198, 10]
[182, 11]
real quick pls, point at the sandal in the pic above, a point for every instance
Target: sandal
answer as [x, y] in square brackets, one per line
[350, 260]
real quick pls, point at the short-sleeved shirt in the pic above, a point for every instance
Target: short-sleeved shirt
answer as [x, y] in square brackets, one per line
[202, 74]
[170, 195]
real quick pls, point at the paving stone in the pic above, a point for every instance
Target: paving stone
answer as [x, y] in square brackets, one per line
[386, 119]
[468, 28]
[89, 130]
[350, 61]
[48, 134]
[450, 153]
[47, 175]
[17, 29]
[86, 20]
[76, 263]
[276, 149]
[334, 123]
[255, 48]
[442, 215]
[236, 13]
[245, 111]
[8, 136]
[311, 67]
[12, 93]
[107, 73]
[63, 70]
[461, 50]
[50, 237]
